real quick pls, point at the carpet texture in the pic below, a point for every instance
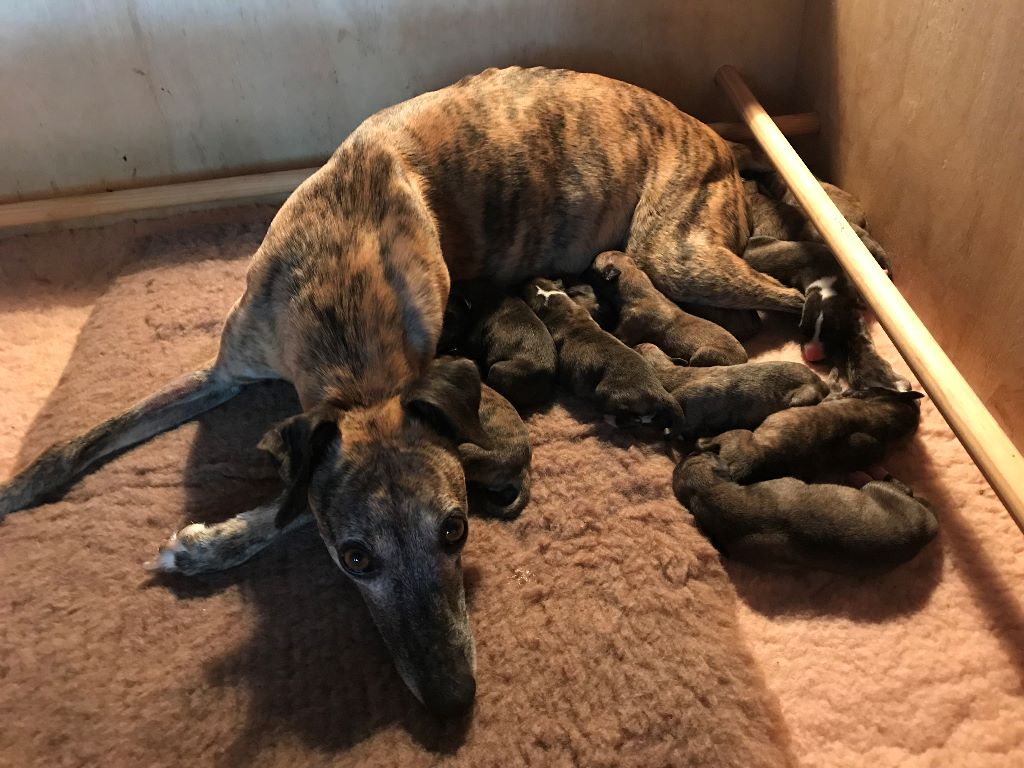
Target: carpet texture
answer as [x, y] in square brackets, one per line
[608, 632]
[605, 626]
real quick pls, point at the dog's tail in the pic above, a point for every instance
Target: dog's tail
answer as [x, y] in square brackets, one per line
[62, 463]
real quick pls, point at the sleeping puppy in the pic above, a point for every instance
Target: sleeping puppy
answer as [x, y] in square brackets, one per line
[585, 295]
[777, 214]
[721, 398]
[645, 314]
[843, 433]
[829, 316]
[513, 348]
[594, 364]
[787, 522]
[498, 476]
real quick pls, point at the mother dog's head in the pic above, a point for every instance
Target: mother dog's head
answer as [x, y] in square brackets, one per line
[389, 496]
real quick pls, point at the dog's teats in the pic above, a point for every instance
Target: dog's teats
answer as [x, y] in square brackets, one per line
[646, 315]
[787, 522]
[594, 364]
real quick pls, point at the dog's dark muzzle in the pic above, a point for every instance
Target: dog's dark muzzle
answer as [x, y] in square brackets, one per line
[428, 634]
[450, 693]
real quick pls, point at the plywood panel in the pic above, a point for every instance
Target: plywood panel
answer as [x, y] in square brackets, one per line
[922, 109]
[104, 93]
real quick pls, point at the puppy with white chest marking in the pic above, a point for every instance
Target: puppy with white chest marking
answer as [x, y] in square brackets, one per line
[594, 364]
[845, 432]
[787, 522]
[720, 398]
[646, 315]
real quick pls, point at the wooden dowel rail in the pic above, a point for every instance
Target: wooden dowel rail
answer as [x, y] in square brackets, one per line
[989, 447]
[237, 188]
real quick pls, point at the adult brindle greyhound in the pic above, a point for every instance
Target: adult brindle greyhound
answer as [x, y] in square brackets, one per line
[506, 175]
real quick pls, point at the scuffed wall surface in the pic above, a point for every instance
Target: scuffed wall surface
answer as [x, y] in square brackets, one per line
[111, 93]
[922, 106]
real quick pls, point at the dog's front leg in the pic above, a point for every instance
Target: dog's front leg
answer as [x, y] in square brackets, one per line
[200, 548]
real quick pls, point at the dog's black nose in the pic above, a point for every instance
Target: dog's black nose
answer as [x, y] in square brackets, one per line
[452, 697]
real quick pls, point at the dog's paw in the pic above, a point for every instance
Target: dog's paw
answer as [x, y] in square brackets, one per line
[183, 552]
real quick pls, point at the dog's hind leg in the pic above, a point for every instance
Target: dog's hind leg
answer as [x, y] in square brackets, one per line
[62, 463]
[200, 548]
[705, 273]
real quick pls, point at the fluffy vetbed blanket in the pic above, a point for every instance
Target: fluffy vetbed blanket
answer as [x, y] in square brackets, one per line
[608, 631]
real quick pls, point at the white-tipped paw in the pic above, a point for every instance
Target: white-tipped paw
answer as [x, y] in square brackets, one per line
[183, 552]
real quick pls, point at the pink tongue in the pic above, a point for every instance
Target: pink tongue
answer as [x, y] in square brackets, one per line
[813, 351]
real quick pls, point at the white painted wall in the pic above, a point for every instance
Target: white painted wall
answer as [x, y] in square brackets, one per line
[110, 93]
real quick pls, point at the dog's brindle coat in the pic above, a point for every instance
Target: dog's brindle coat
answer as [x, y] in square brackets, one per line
[505, 175]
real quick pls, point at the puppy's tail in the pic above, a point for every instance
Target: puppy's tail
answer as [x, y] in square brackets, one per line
[62, 463]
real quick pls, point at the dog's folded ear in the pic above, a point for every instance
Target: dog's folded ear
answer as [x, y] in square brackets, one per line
[299, 444]
[447, 399]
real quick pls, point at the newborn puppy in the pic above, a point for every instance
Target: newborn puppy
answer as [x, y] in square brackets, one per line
[787, 522]
[513, 348]
[595, 365]
[829, 318]
[842, 433]
[720, 398]
[585, 295]
[646, 314]
[778, 214]
[498, 477]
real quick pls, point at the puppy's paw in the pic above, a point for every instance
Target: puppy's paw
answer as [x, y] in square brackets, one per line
[184, 552]
[709, 444]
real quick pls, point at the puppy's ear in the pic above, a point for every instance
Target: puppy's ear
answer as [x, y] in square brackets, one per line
[447, 399]
[299, 444]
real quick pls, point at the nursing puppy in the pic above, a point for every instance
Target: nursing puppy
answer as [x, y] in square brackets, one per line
[843, 433]
[787, 522]
[720, 398]
[595, 365]
[829, 317]
[514, 349]
[498, 475]
[646, 315]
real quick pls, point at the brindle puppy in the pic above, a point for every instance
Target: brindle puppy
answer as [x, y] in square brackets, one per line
[514, 350]
[841, 433]
[503, 176]
[720, 398]
[646, 315]
[786, 522]
[498, 476]
[594, 364]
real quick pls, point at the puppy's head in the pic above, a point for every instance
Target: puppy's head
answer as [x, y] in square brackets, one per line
[610, 266]
[828, 321]
[387, 489]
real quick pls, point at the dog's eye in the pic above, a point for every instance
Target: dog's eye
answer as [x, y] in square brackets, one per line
[454, 530]
[357, 560]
